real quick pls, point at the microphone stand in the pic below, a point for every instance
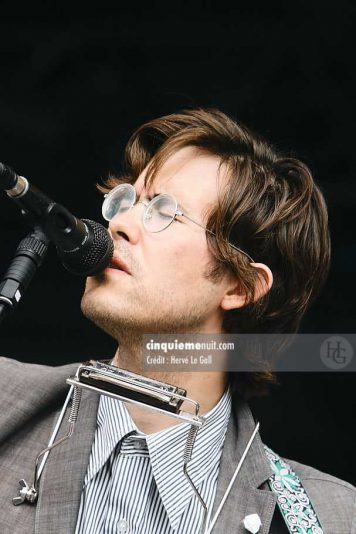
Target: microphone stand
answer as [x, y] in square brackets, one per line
[29, 256]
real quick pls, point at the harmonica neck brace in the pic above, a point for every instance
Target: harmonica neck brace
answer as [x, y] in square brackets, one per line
[106, 379]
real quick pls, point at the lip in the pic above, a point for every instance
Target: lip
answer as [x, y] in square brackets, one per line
[118, 264]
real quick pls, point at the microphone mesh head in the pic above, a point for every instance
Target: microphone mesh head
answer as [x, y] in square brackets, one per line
[94, 256]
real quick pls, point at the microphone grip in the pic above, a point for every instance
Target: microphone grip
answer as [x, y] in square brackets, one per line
[21, 270]
[28, 257]
[16, 280]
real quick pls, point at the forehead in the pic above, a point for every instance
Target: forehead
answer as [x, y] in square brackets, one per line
[191, 175]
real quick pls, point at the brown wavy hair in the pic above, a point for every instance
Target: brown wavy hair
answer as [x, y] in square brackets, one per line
[271, 207]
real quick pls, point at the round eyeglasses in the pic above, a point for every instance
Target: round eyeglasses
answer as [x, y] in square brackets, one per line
[159, 212]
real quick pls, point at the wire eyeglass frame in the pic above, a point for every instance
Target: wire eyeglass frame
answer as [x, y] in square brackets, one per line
[150, 204]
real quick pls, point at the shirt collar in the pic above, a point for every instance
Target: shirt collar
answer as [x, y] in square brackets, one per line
[113, 424]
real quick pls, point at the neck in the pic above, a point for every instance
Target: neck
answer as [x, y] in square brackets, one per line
[206, 388]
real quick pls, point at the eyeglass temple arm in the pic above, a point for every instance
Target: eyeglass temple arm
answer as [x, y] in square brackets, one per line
[180, 213]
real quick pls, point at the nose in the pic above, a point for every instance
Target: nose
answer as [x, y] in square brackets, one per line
[127, 225]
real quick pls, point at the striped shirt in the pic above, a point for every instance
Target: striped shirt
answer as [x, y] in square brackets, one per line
[135, 483]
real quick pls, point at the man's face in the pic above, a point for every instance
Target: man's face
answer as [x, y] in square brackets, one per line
[166, 288]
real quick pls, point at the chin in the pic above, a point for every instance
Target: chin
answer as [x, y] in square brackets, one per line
[98, 313]
[107, 315]
[94, 305]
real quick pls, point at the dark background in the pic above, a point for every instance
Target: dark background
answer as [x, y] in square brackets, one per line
[74, 86]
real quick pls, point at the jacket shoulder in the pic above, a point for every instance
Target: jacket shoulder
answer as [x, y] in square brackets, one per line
[306, 472]
[19, 379]
[333, 499]
[28, 389]
[21, 369]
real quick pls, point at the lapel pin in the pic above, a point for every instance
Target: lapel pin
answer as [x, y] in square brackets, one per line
[252, 523]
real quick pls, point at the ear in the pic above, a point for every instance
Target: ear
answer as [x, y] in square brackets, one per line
[233, 298]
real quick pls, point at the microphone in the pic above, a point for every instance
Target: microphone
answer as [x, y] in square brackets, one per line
[84, 246]
[29, 256]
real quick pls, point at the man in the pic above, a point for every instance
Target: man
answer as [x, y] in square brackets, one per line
[214, 232]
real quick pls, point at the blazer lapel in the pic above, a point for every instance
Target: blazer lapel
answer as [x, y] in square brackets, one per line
[62, 479]
[245, 497]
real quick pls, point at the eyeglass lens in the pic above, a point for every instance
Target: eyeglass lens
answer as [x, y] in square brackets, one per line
[119, 200]
[158, 214]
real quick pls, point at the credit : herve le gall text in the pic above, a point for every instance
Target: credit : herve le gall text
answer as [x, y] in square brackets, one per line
[205, 359]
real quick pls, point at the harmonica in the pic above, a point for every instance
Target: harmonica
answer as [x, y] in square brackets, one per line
[107, 379]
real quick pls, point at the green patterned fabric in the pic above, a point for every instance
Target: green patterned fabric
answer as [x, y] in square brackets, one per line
[293, 501]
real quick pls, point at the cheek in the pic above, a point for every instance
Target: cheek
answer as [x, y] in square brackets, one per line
[187, 260]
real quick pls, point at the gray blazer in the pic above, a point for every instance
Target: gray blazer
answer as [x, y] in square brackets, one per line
[31, 399]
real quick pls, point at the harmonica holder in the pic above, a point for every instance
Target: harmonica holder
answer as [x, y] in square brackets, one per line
[103, 378]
